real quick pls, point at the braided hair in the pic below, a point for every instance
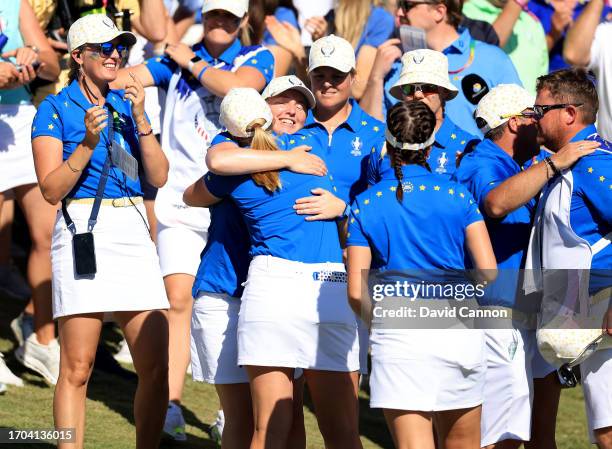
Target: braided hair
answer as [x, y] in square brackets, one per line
[409, 122]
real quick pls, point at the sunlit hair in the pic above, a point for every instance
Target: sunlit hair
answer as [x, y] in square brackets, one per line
[351, 18]
[409, 122]
[264, 140]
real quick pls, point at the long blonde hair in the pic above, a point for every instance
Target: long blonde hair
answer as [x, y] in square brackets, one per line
[351, 18]
[263, 140]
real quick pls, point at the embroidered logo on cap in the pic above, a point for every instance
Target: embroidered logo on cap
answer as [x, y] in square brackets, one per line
[418, 58]
[108, 22]
[328, 49]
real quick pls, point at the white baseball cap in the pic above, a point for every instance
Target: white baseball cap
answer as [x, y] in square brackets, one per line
[290, 82]
[240, 108]
[332, 51]
[237, 7]
[424, 67]
[96, 29]
[501, 103]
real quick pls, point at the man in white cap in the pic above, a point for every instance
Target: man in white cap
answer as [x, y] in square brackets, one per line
[424, 77]
[506, 192]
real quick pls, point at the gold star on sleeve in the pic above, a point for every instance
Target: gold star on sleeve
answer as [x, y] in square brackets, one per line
[373, 150]
[379, 194]
[451, 191]
[292, 141]
[422, 187]
[335, 189]
[376, 129]
[54, 116]
[331, 178]
[590, 170]
[393, 188]
[352, 220]
[463, 142]
[65, 104]
[157, 59]
[364, 123]
[462, 195]
[356, 211]
[253, 61]
[453, 136]
[50, 126]
[436, 188]
[366, 202]
[602, 178]
[303, 137]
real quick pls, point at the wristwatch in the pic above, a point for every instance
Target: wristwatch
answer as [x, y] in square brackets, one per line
[192, 62]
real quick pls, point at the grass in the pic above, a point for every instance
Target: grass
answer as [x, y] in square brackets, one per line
[110, 423]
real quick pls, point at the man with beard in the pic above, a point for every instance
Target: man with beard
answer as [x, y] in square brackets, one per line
[496, 176]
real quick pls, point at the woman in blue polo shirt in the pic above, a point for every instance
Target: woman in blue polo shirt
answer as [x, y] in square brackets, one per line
[292, 313]
[88, 141]
[414, 219]
[195, 80]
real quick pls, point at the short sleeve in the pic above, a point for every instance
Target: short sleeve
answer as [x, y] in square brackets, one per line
[472, 212]
[379, 27]
[222, 137]
[595, 186]
[264, 62]
[356, 236]
[221, 186]
[47, 121]
[282, 14]
[603, 35]
[161, 68]
[480, 180]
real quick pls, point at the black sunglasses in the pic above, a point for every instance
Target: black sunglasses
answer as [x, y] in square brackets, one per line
[407, 5]
[540, 109]
[107, 48]
[424, 88]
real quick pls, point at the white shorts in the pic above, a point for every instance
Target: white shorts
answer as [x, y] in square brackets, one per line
[291, 318]
[179, 249]
[427, 370]
[214, 343]
[508, 392]
[127, 277]
[16, 159]
[597, 386]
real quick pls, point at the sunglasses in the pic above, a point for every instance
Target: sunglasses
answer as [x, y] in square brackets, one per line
[107, 48]
[540, 109]
[406, 5]
[426, 89]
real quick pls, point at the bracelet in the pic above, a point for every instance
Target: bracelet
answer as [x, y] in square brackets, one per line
[148, 133]
[72, 169]
[202, 73]
[552, 166]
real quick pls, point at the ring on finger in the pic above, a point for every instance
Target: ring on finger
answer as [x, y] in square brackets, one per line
[580, 147]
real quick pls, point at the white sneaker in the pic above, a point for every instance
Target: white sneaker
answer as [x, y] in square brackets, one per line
[124, 355]
[174, 425]
[22, 327]
[7, 376]
[43, 359]
[13, 284]
[216, 429]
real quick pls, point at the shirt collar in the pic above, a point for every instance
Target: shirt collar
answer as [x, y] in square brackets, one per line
[584, 133]
[443, 135]
[461, 44]
[227, 56]
[355, 121]
[494, 151]
[113, 97]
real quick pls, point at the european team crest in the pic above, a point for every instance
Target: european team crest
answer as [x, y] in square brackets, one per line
[442, 161]
[407, 187]
[357, 144]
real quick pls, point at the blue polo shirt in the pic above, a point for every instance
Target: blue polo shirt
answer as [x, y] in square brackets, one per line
[544, 11]
[450, 139]
[378, 29]
[163, 67]
[63, 116]
[590, 210]
[390, 80]
[275, 228]
[347, 150]
[489, 62]
[282, 14]
[225, 259]
[425, 231]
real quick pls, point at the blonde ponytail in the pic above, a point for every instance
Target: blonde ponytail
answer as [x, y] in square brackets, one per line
[263, 140]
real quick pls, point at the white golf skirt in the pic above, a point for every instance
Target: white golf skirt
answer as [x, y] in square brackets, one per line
[179, 249]
[297, 315]
[508, 392]
[16, 160]
[128, 276]
[214, 343]
[597, 386]
[427, 370]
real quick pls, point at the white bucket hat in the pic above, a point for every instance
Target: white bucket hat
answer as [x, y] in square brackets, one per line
[96, 29]
[290, 82]
[424, 67]
[332, 51]
[240, 108]
[501, 103]
[237, 7]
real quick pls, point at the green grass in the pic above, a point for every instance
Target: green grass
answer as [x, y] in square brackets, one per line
[109, 412]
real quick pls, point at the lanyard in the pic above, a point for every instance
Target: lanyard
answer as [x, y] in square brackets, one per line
[469, 61]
